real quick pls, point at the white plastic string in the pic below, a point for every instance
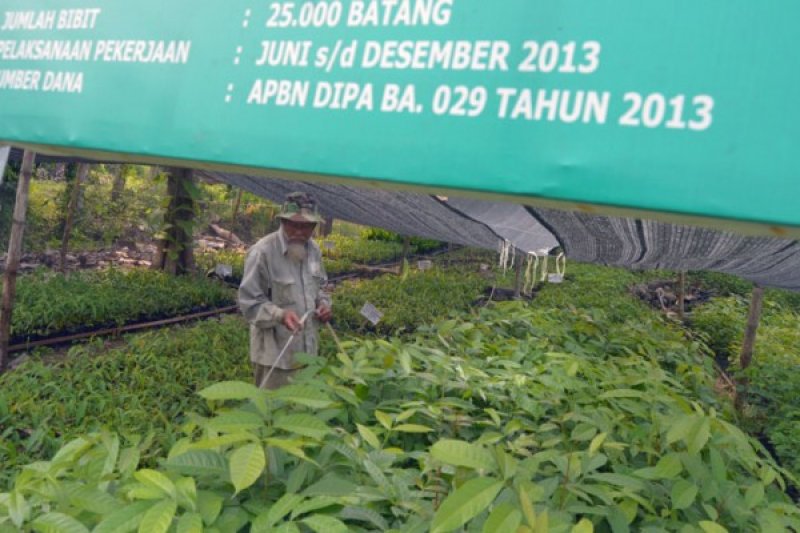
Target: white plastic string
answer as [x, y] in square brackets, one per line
[506, 253]
[561, 265]
[545, 267]
[530, 273]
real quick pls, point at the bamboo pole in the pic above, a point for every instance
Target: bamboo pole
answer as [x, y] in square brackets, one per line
[80, 177]
[14, 255]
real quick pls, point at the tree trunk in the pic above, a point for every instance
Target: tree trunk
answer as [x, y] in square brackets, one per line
[175, 249]
[14, 255]
[120, 173]
[4, 152]
[83, 171]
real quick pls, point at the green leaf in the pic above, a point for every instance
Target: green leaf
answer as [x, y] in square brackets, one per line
[369, 436]
[209, 505]
[527, 506]
[668, 467]
[620, 480]
[230, 390]
[698, 437]
[331, 485]
[93, 500]
[190, 523]
[683, 494]
[159, 518]
[460, 453]
[504, 517]
[622, 393]
[303, 395]
[597, 442]
[58, 523]
[125, 519]
[305, 425]
[144, 492]
[187, 493]
[754, 495]
[467, 502]
[363, 514]
[712, 527]
[680, 428]
[218, 442]
[412, 428]
[542, 521]
[152, 478]
[246, 465]
[199, 463]
[266, 520]
[314, 504]
[584, 526]
[71, 451]
[384, 419]
[294, 447]
[288, 527]
[235, 422]
[325, 524]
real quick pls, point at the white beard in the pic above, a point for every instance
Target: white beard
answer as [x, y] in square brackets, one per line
[296, 252]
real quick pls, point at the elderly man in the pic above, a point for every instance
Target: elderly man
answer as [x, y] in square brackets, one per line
[282, 293]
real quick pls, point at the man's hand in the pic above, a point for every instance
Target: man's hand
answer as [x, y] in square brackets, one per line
[324, 313]
[292, 321]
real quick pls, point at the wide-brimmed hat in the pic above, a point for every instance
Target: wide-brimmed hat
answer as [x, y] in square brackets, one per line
[300, 207]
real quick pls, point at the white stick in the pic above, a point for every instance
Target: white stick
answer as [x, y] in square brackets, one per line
[286, 346]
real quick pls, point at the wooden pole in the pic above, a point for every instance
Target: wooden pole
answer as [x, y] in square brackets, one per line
[327, 226]
[753, 319]
[14, 255]
[518, 280]
[83, 171]
[4, 153]
[681, 294]
[236, 209]
[406, 251]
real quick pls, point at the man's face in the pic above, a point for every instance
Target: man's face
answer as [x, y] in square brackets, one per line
[298, 231]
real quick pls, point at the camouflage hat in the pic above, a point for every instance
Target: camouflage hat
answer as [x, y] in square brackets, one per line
[300, 207]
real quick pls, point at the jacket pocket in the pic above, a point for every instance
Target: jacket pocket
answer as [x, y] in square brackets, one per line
[318, 277]
[283, 292]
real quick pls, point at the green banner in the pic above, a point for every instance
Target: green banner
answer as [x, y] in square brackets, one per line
[679, 108]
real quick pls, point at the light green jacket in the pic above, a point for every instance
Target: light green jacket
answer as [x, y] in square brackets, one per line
[272, 285]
